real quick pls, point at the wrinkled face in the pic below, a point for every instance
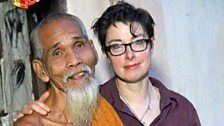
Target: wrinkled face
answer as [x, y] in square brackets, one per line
[130, 66]
[66, 49]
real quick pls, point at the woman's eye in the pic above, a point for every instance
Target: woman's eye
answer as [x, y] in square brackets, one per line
[139, 42]
[116, 46]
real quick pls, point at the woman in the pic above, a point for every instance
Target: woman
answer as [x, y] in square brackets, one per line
[126, 35]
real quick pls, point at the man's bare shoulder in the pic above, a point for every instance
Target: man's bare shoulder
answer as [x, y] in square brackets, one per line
[29, 120]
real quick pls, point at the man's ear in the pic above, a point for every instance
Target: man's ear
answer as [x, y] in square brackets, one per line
[39, 70]
[94, 51]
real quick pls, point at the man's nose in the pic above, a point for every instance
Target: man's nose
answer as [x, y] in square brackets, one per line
[73, 59]
[129, 53]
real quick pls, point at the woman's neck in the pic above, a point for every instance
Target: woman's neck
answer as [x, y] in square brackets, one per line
[134, 92]
[142, 98]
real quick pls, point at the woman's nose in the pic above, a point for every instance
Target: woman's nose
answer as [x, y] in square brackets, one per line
[129, 53]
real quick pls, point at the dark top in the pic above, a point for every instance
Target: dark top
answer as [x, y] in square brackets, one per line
[175, 109]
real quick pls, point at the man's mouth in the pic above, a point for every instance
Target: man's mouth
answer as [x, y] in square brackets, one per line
[78, 76]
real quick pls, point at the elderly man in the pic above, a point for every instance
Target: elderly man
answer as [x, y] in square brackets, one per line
[65, 58]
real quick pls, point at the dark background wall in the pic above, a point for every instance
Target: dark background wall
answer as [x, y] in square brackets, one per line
[18, 82]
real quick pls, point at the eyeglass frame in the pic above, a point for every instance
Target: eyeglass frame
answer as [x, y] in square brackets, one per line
[108, 48]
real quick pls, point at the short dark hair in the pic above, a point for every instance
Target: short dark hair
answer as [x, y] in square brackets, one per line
[126, 13]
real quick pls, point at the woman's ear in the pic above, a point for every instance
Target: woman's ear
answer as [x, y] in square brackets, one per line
[39, 70]
[94, 51]
[152, 44]
[105, 54]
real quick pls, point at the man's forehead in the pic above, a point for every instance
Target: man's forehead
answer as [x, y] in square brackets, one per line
[60, 30]
[61, 27]
[60, 23]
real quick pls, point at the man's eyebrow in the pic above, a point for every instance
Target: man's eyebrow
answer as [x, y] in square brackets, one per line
[54, 46]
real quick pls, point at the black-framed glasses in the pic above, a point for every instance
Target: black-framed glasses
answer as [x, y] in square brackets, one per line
[119, 49]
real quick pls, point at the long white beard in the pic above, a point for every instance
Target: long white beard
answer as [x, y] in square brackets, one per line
[82, 101]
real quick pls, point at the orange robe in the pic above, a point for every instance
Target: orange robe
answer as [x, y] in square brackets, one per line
[105, 115]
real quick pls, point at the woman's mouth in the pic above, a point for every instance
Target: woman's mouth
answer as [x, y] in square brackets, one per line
[131, 66]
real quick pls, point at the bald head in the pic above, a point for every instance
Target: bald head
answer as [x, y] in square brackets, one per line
[35, 35]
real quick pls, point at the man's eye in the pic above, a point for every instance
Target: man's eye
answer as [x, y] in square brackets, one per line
[57, 53]
[80, 45]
